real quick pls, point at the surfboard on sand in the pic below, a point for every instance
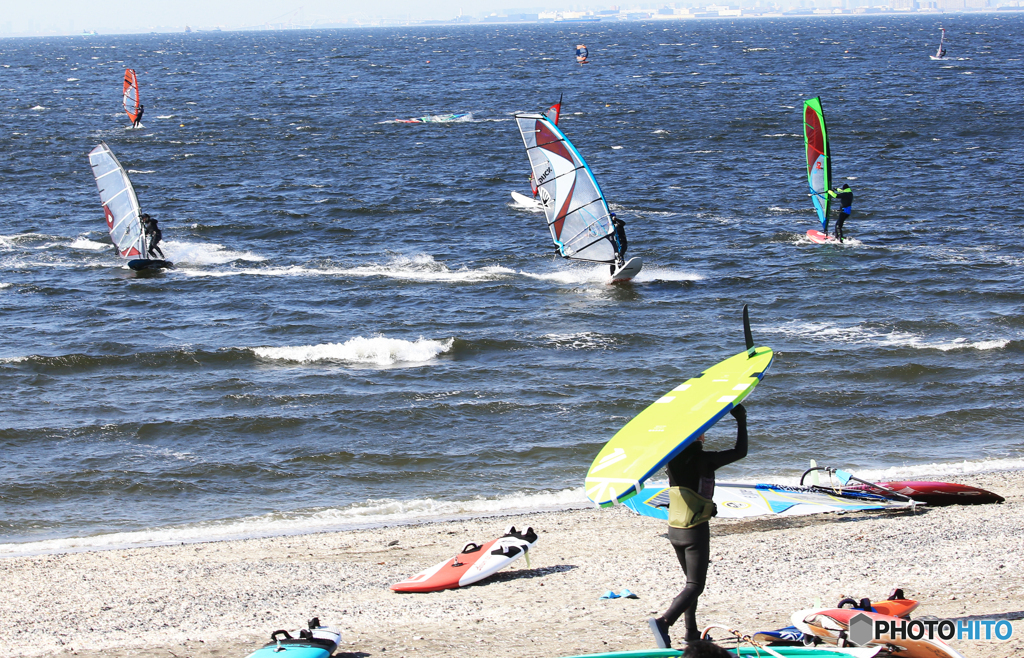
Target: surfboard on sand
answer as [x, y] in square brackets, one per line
[672, 422]
[833, 625]
[474, 563]
[314, 642]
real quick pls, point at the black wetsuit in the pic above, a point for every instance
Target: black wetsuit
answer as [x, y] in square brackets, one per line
[155, 236]
[621, 243]
[138, 117]
[845, 197]
[695, 469]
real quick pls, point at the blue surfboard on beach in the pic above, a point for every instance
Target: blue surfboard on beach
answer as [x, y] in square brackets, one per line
[314, 642]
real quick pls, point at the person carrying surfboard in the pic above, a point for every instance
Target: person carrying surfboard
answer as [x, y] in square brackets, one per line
[691, 477]
[845, 196]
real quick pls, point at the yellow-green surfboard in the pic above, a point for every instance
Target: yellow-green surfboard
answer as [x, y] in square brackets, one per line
[664, 429]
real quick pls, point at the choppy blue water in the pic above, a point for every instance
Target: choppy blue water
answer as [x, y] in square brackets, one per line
[361, 329]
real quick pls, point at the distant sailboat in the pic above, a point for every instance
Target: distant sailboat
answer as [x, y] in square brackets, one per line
[577, 214]
[819, 166]
[532, 203]
[131, 94]
[940, 54]
[121, 210]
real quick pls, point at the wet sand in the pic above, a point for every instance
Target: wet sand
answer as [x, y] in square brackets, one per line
[223, 599]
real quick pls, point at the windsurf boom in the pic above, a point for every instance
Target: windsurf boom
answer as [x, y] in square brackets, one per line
[577, 213]
[131, 94]
[818, 159]
[120, 205]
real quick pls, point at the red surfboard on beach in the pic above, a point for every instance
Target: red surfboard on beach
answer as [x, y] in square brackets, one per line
[832, 626]
[935, 493]
[472, 564]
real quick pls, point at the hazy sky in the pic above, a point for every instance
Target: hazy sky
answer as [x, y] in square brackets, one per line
[113, 16]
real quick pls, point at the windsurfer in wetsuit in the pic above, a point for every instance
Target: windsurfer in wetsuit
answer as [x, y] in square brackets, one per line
[691, 478]
[155, 234]
[845, 196]
[138, 116]
[621, 244]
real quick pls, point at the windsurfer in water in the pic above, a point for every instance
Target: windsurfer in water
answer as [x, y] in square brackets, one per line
[138, 117]
[691, 478]
[845, 196]
[621, 243]
[155, 234]
[533, 186]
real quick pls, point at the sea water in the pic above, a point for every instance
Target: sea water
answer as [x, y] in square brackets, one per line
[361, 329]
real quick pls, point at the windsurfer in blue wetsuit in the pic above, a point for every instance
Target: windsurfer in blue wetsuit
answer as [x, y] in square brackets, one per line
[845, 196]
[151, 228]
[691, 478]
[621, 244]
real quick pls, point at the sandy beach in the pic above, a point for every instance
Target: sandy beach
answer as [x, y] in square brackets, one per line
[224, 598]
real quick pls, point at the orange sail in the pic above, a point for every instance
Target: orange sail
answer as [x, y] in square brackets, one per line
[131, 94]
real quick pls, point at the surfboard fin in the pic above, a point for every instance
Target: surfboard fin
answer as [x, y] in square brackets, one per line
[746, 332]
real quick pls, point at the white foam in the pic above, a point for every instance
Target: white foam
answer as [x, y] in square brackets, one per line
[378, 350]
[420, 267]
[86, 243]
[197, 253]
[141, 171]
[858, 335]
[38, 107]
[586, 340]
[371, 513]
[650, 273]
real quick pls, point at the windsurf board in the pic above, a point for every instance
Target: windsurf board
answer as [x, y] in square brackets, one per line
[817, 237]
[833, 625]
[672, 422]
[315, 642]
[474, 563]
[139, 264]
[628, 270]
[527, 203]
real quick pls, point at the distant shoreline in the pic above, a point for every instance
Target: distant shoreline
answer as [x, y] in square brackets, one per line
[485, 23]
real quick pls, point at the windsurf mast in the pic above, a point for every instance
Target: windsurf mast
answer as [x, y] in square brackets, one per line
[818, 159]
[577, 213]
[120, 205]
[131, 94]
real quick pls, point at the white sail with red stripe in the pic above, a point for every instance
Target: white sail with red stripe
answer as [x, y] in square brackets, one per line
[120, 205]
[576, 211]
